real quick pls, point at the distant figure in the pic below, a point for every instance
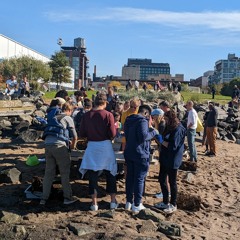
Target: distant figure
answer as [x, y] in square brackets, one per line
[136, 84]
[24, 87]
[144, 87]
[174, 86]
[212, 130]
[11, 86]
[235, 93]
[213, 90]
[179, 87]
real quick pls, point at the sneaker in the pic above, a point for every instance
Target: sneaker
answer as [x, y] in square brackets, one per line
[159, 195]
[70, 201]
[138, 208]
[161, 205]
[128, 206]
[94, 207]
[43, 202]
[170, 209]
[113, 205]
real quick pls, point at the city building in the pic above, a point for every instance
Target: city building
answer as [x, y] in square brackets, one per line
[166, 77]
[202, 81]
[140, 69]
[11, 48]
[78, 61]
[226, 70]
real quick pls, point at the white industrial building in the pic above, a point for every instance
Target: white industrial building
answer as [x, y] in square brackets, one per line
[11, 48]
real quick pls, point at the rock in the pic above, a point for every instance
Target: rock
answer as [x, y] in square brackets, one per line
[5, 124]
[9, 217]
[147, 214]
[80, 229]
[188, 201]
[11, 175]
[30, 135]
[148, 226]
[39, 113]
[189, 178]
[231, 137]
[169, 229]
[19, 230]
[188, 166]
[25, 118]
[107, 214]
[22, 126]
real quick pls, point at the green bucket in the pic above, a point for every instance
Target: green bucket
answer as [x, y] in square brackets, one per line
[32, 160]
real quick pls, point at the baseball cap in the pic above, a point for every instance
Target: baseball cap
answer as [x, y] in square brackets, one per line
[158, 112]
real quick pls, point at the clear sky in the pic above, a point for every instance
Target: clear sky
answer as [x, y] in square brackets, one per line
[190, 35]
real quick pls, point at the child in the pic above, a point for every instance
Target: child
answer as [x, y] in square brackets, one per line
[117, 123]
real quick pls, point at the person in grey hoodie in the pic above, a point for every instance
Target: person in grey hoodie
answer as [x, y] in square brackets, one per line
[137, 153]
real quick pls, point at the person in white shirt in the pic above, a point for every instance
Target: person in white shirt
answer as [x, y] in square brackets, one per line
[136, 84]
[191, 130]
[11, 86]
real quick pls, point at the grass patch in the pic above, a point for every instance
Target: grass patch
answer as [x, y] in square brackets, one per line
[201, 97]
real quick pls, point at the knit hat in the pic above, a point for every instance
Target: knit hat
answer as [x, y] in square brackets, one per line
[158, 112]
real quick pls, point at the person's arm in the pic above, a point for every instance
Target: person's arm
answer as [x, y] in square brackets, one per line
[72, 132]
[143, 132]
[111, 128]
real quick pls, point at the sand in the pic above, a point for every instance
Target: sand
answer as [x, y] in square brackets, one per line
[216, 182]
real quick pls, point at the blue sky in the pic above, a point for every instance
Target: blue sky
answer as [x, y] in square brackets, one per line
[189, 35]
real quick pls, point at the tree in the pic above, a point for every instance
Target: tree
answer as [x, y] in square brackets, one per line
[60, 68]
[227, 88]
[25, 65]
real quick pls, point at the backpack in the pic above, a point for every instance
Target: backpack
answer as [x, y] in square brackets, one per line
[78, 119]
[54, 126]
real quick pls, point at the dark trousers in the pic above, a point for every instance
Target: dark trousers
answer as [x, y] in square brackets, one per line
[172, 178]
[135, 180]
[93, 182]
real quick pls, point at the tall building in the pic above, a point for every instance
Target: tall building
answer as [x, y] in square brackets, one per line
[226, 70]
[78, 61]
[140, 69]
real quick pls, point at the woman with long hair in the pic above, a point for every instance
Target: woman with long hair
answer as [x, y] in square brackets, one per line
[170, 160]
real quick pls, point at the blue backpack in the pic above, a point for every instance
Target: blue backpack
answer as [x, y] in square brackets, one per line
[54, 126]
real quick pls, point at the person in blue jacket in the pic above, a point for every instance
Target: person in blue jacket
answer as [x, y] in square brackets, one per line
[137, 152]
[170, 160]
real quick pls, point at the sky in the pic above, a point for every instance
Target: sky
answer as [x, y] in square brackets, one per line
[190, 35]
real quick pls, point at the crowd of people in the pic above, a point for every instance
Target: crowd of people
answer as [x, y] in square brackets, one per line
[104, 118]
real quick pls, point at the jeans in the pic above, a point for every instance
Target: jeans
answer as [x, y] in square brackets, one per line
[191, 133]
[172, 178]
[93, 182]
[136, 173]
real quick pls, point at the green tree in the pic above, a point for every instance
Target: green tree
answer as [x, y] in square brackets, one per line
[227, 88]
[60, 68]
[25, 65]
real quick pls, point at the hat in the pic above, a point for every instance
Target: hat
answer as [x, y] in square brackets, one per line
[158, 112]
[61, 100]
[32, 160]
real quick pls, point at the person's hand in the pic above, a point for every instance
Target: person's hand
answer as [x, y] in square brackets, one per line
[150, 122]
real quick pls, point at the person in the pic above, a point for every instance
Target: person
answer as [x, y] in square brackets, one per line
[117, 123]
[84, 91]
[134, 105]
[77, 99]
[170, 160]
[24, 87]
[204, 138]
[165, 106]
[174, 86]
[62, 94]
[160, 124]
[98, 127]
[60, 136]
[126, 105]
[145, 87]
[212, 130]
[11, 86]
[137, 154]
[213, 90]
[136, 84]
[191, 130]
[235, 93]
[112, 99]
[87, 106]
[179, 87]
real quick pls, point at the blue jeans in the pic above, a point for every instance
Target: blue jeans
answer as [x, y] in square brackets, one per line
[136, 173]
[191, 133]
